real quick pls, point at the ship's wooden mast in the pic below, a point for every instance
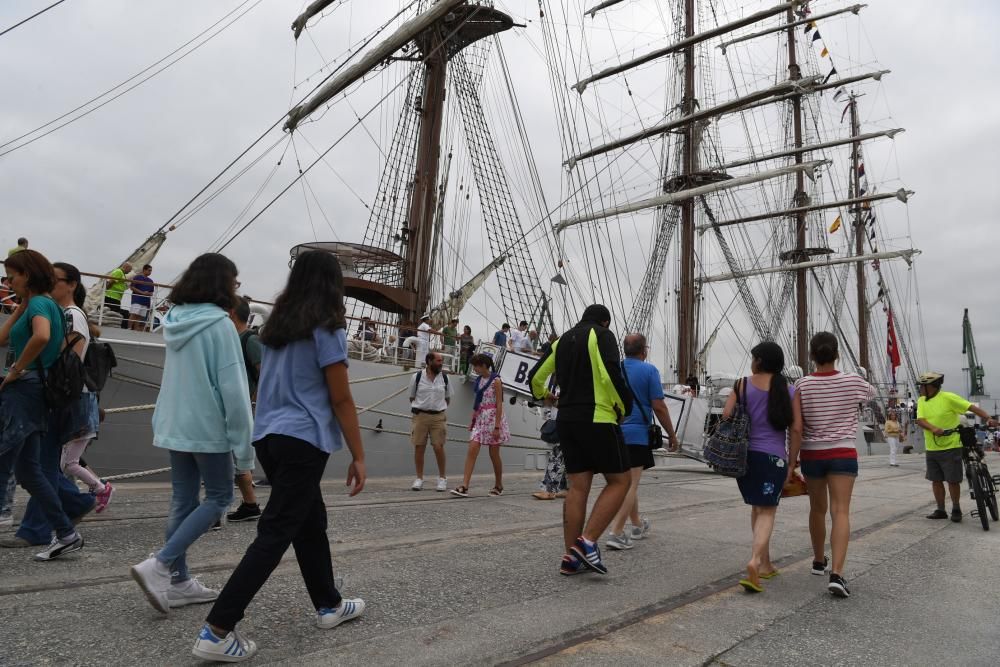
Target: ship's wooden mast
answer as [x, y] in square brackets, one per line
[799, 221]
[423, 198]
[859, 237]
[686, 316]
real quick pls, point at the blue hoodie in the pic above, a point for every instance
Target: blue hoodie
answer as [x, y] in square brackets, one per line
[204, 401]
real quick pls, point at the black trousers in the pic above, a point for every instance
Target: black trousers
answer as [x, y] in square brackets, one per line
[294, 515]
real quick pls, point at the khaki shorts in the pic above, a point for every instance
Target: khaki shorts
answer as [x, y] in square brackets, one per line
[424, 425]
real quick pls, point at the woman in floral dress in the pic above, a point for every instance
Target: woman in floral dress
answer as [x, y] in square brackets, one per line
[489, 424]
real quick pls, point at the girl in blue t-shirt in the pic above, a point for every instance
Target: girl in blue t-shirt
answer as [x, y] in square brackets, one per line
[34, 333]
[304, 411]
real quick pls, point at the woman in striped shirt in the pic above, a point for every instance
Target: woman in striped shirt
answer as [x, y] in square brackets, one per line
[829, 401]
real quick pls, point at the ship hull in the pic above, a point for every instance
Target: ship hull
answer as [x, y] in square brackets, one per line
[125, 441]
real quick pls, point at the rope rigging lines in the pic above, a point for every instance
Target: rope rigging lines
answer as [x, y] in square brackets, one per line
[122, 88]
[35, 15]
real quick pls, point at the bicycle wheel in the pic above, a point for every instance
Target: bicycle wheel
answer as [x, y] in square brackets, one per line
[991, 492]
[979, 493]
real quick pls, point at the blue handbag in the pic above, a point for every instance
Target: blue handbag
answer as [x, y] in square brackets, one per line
[725, 451]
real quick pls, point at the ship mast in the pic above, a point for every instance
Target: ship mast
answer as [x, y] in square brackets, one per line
[423, 200]
[801, 287]
[686, 317]
[859, 237]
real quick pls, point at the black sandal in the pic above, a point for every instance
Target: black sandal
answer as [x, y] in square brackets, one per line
[496, 491]
[460, 491]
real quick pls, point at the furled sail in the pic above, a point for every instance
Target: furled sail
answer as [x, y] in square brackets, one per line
[443, 313]
[144, 254]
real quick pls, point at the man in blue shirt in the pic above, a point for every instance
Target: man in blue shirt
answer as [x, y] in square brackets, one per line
[500, 337]
[644, 380]
[142, 293]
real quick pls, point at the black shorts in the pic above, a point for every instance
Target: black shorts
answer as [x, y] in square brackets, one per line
[640, 456]
[597, 448]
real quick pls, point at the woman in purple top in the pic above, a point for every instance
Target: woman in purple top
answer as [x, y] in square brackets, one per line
[772, 415]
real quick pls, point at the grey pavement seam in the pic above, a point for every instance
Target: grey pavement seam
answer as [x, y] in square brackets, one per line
[672, 603]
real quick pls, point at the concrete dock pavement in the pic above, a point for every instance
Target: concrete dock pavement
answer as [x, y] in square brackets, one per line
[474, 582]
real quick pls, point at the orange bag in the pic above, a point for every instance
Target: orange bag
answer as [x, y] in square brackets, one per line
[795, 487]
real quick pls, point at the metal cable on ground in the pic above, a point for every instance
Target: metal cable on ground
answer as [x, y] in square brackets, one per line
[130, 408]
[35, 15]
[133, 475]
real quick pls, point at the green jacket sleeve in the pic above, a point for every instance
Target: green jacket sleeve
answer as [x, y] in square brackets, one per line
[538, 378]
[608, 348]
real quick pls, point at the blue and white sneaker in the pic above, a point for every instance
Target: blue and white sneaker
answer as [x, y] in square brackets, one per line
[234, 647]
[590, 554]
[571, 565]
[347, 610]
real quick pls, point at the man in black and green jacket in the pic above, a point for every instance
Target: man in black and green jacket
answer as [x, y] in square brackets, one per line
[593, 400]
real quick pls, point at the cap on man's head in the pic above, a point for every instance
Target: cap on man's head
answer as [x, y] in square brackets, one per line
[425, 317]
[597, 313]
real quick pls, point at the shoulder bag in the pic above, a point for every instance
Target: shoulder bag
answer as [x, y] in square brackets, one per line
[654, 434]
[725, 451]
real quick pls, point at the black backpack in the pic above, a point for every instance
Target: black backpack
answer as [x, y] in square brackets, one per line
[416, 383]
[252, 371]
[98, 362]
[65, 379]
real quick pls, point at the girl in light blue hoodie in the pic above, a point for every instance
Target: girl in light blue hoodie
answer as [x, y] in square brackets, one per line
[203, 419]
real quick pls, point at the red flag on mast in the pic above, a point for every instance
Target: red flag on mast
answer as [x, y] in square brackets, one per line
[892, 345]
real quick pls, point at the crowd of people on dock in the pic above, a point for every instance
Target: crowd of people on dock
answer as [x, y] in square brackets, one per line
[231, 397]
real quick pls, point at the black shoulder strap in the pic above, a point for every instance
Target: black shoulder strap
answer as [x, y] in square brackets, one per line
[416, 384]
[642, 410]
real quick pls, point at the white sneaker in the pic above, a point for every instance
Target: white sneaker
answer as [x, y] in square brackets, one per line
[6, 521]
[442, 484]
[153, 578]
[349, 609]
[417, 484]
[61, 547]
[231, 648]
[188, 592]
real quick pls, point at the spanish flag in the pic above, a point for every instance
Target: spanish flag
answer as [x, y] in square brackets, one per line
[835, 226]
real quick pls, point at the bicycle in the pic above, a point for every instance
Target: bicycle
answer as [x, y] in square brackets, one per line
[982, 486]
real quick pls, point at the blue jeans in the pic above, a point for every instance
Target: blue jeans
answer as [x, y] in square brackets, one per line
[190, 518]
[7, 497]
[35, 526]
[24, 420]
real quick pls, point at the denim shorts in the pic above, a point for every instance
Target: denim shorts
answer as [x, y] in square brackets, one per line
[820, 468]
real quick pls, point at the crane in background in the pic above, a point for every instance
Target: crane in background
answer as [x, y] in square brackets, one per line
[976, 388]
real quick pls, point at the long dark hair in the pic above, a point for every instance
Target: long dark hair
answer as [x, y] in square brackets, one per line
[34, 265]
[771, 359]
[79, 292]
[211, 278]
[313, 297]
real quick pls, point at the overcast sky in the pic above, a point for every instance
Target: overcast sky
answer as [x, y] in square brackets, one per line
[92, 191]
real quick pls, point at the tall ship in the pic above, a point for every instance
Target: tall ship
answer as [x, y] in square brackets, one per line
[724, 176]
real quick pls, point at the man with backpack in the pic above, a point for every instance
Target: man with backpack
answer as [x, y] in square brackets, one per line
[249, 509]
[429, 398]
